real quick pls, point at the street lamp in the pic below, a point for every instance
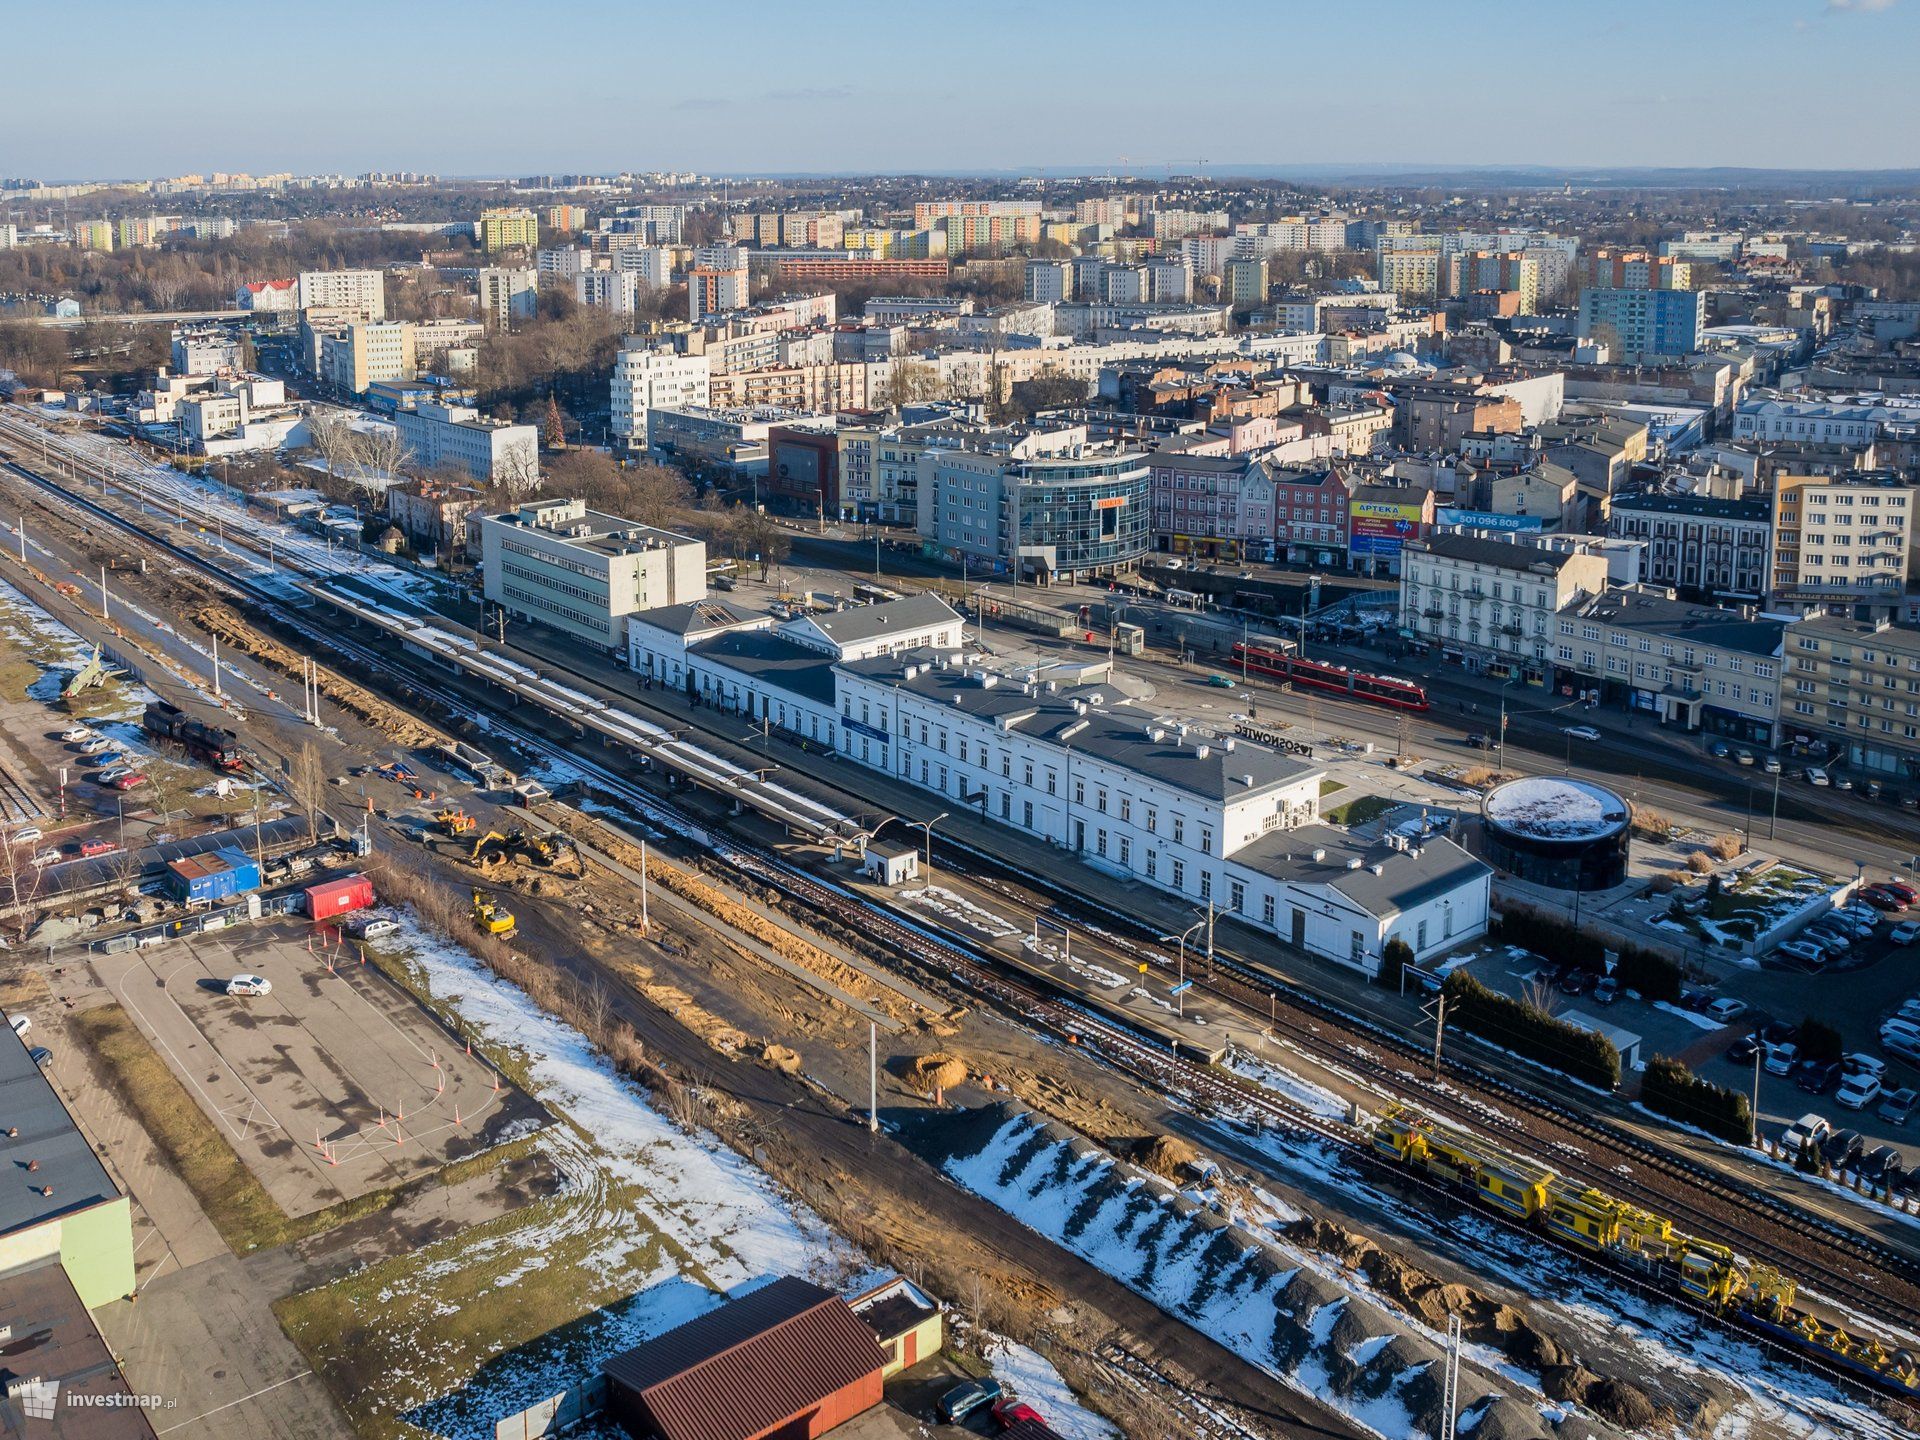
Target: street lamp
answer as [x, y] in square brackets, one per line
[1180, 990]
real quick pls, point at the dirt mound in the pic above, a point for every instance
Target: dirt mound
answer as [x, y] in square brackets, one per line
[1167, 1156]
[937, 1072]
[782, 1059]
[1625, 1405]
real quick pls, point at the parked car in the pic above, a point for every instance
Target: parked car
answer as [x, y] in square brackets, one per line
[41, 1056]
[1896, 1106]
[1728, 1010]
[1779, 1032]
[1575, 979]
[1606, 990]
[1581, 732]
[249, 985]
[94, 745]
[91, 848]
[74, 734]
[1901, 1048]
[1547, 972]
[26, 835]
[1861, 1063]
[1880, 1164]
[1719, 749]
[1884, 900]
[1008, 1413]
[1841, 1148]
[1744, 757]
[1816, 776]
[1696, 1000]
[1857, 1092]
[1816, 1077]
[44, 858]
[107, 759]
[1805, 951]
[1842, 782]
[1771, 765]
[1903, 1030]
[1782, 1058]
[965, 1398]
[1809, 1129]
[372, 927]
[114, 773]
[21, 1025]
[1900, 887]
[1742, 1051]
[129, 780]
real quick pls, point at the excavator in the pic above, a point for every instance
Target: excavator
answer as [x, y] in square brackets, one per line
[542, 850]
[491, 916]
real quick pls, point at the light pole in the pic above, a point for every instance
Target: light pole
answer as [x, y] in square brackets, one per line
[1500, 764]
[927, 827]
[1180, 990]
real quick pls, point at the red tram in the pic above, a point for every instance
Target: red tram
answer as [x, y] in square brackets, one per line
[1332, 679]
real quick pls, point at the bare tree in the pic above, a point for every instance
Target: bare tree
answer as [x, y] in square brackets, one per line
[381, 452]
[307, 780]
[332, 436]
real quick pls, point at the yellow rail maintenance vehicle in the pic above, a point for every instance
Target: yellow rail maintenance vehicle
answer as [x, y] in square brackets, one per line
[1507, 1182]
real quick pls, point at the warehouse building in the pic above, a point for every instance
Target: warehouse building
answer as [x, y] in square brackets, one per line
[59, 1203]
[49, 1342]
[789, 1361]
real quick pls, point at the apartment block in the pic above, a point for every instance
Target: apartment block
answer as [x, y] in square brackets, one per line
[507, 295]
[1856, 683]
[508, 228]
[1840, 540]
[1493, 605]
[1708, 547]
[1641, 325]
[493, 452]
[646, 375]
[365, 353]
[362, 292]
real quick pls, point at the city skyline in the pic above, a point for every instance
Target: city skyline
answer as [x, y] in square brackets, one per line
[854, 87]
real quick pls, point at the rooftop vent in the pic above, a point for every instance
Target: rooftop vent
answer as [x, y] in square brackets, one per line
[1156, 734]
[1247, 779]
[1200, 752]
[1377, 868]
[1072, 730]
[1319, 854]
[1355, 863]
[1227, 744]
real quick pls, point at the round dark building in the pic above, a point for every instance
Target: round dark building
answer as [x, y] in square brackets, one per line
[1557, 831]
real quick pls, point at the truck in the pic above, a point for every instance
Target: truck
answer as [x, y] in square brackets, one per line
[217, 746]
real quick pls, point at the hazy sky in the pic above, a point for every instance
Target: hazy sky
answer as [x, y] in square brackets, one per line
[109, 88]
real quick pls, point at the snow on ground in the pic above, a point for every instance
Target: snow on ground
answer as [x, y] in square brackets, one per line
[1314, 1098]
[729, 1222]
[1027, 1375]
[943, 901]
[1692, 1017]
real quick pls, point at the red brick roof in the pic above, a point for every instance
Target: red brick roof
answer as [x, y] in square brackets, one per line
[750, 1364]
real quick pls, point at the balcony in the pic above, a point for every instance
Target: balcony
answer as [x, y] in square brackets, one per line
[1510, 630]
[1434, 612]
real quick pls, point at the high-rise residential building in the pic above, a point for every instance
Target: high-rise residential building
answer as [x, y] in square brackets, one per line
[1517, 271]
[1209, 254]
[1049, 281]
[364, 292]
[565, 219]
[564, 261]
[1635, 270]
[656, 224]
[93, 235]
[1105, 210]
[507, 295]
[508, 228]
[1848, 680]
[615, 290]
[1246, 284]
[715, 289]
[1643, 324]
[1413, 273]
[1840, 540]
[652, 263]
[646, 375]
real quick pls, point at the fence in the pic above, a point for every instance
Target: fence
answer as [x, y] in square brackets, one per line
[556, 1412]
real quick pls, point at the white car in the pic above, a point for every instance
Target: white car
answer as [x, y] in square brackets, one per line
[1817, 776]
[1781, 1059]
[1804, 951]
[45, 858]
[26, 835]
[1856, 1092]
[249, 985]
[373, 927]
[1581, 732]
[112, 772]
[1905, 933]
[1905, 1031]
[21, 1025]
[1807, 1127]
[1727, 1011]
[1859, 1064]
[74, 734]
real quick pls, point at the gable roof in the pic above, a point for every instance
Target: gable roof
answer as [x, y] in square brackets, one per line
[859, 623]
[750, 1363]
[1433, 867]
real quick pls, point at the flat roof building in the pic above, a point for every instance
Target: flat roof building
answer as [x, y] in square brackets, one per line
[583, 572]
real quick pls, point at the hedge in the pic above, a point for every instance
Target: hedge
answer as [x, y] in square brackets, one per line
[1394, 961]
[1516, 1026]
[1671, 1089]
[1646, 972]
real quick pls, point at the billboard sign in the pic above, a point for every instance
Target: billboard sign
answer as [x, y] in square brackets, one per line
[1379, 528]
[1487, 520]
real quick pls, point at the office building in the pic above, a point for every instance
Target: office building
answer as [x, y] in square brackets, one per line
[493, 452]
[646, 375]
[363, 293]
[364, 353]
[1062, 512]
[1642, 325]
[507, 296]
[583, 572]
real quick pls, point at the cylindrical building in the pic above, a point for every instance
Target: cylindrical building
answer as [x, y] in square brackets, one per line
[1557, 831]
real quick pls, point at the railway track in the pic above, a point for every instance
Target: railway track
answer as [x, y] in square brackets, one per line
[1203, 1086]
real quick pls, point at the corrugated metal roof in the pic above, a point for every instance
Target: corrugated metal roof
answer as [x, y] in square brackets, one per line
[750, 1364]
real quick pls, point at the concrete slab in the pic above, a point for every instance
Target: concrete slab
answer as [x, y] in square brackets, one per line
[335, 1084]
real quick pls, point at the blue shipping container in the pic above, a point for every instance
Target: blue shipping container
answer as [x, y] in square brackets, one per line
[219, 876]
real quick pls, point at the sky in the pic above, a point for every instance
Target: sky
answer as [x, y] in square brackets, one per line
[488, 87]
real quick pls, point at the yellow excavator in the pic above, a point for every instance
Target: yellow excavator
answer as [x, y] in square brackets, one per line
[540, 849]
[491, 916]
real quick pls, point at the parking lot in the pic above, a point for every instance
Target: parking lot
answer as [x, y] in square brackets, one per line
[333, 1084]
